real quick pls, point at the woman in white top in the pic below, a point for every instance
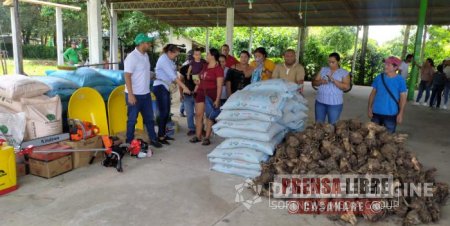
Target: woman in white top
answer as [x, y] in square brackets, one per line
[331, 82]
[166, 74]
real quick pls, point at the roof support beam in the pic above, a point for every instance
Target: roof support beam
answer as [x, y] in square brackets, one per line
[171, 5]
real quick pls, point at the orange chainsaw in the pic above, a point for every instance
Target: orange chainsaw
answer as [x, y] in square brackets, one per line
[82, 130]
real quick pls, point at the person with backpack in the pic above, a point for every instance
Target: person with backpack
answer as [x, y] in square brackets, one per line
[388, 97]
[331, 81]
[439, 81]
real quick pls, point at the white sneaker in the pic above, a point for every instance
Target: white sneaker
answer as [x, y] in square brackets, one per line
[424, 104]
[444, 107]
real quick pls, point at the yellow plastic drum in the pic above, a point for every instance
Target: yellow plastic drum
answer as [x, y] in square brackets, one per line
[8, 177]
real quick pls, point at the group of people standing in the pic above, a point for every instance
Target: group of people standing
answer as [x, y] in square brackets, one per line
[219, 76]
[206, 84]
[435, 82]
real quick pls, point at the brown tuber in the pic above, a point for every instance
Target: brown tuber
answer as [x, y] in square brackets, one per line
[358, 148]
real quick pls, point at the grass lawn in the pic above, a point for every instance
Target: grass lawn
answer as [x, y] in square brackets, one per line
[32, 67]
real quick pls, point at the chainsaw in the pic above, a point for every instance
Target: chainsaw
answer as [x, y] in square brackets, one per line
[112, 151]
[82, 130]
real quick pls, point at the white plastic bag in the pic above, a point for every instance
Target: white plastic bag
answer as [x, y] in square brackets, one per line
[236, 163]
[252, 125]
[18, 86]
[12, 128]
[238, 115]
[235, 171]
[266, 102]
[244, 154]
[266, 147]
[252, 135]
[275, 85]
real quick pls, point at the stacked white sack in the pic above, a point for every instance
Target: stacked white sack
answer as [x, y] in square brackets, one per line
[254, 121]
[24, 95]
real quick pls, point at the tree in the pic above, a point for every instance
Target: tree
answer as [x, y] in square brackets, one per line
[337, 39]
[438, 44]
[132, 23]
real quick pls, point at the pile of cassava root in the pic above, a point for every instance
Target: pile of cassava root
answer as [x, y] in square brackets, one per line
[352, 147]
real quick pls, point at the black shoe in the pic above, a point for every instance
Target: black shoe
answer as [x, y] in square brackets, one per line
[163, 141]
[206, 142]
[155, 144]
[182, 115]
[168, 138]
[194, 140]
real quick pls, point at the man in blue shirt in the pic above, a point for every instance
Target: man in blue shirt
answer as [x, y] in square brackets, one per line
[388, 97]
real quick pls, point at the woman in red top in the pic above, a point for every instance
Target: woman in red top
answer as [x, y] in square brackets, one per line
[210, 84]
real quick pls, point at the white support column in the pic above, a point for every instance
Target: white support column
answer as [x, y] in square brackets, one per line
[250, 42]
[171, 35]
[230, 28]
[299, 43]
[114, 40]
[95, 31]
[59, 36]
[207, 40]
[16, 38]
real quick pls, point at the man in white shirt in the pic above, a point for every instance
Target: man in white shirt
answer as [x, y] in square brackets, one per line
[137, 89]
[403, 70]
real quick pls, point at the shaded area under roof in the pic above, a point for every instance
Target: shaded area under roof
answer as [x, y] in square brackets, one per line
[209, 13]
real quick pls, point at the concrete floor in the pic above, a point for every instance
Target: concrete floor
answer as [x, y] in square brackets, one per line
[176, 187]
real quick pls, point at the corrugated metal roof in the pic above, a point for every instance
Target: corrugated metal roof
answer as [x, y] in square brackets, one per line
[286, 12]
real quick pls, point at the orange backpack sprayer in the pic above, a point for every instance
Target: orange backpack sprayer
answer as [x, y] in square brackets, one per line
[8, 177]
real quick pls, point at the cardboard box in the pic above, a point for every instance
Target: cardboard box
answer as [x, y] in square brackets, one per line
[36, 128]
[52, 168]
[81, 159]
[21, 169]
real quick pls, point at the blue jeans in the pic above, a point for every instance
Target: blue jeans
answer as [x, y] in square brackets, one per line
[388, 121]
[144, 106]
[424, 86]
[446, 92]
[332, 111]
[163, 100]
[182, 108]
[189, 107]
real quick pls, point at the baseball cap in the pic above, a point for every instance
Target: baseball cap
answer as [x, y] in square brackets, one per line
[140, 38]
[393, 60]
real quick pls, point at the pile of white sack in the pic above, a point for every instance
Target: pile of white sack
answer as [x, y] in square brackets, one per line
[25, 112]
[254, 121]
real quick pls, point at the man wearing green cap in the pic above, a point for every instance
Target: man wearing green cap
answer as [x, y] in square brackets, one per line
[71, 54]
[137, 89]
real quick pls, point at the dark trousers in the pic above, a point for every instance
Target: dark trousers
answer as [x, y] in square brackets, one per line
[388, 121]
[424, 86]
[144, 106]
[163, 100]
[437, 93]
